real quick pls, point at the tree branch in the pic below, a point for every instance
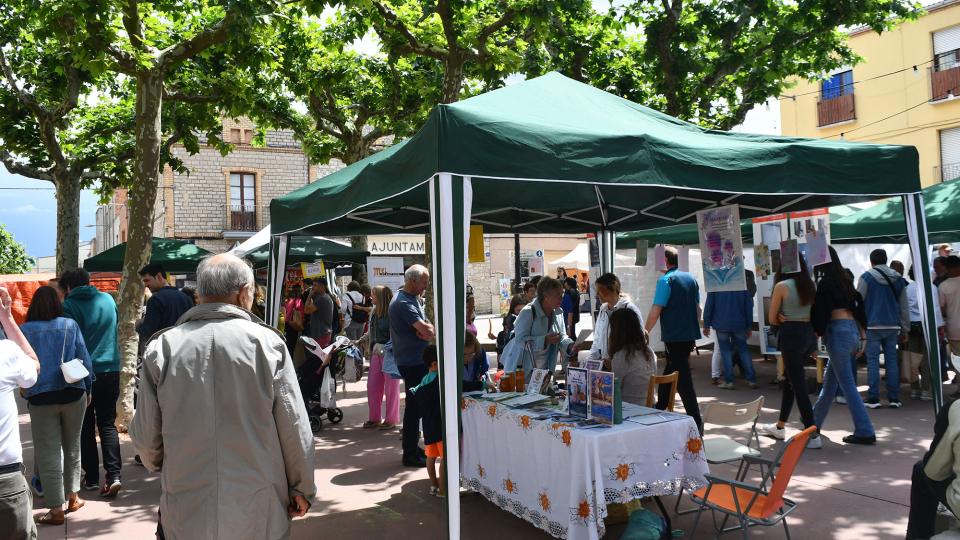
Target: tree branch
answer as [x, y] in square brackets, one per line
[23, 96]
[176, 95]
[133, 25]
[15, 167]
[446, 20]
[125, 63]
[413, 44]
[506, 18]
[217, 33]
[74, 85]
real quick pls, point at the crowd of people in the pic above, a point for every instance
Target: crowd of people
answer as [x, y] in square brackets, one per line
[205, 356]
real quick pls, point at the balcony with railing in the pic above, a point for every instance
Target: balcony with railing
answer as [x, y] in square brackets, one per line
[945, 75]
[243, 217]
[838, 109]
[946, 171]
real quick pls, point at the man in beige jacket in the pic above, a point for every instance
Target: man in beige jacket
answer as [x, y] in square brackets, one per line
[221, 417]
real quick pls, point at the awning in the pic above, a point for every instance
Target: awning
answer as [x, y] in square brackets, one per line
[552, 155]
[884, 222]
[174, 255]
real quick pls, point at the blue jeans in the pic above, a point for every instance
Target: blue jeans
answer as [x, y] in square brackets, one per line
[842, 341]
[727, 341]
[884, 341]
[853, 372]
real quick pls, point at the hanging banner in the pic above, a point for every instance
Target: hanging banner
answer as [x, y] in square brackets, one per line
[818, 251]
[721, 249]
[385, 271]
[789, 256]
[660, 258]
[475, 251]
[312, 270]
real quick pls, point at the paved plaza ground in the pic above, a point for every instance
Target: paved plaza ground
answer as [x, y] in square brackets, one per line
[845, 492]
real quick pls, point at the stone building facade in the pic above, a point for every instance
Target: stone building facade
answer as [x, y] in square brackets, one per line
[223, 199]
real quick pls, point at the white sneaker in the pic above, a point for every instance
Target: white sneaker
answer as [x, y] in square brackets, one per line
[841, 400]
[726, 385]
[771, 430]
[815, 442]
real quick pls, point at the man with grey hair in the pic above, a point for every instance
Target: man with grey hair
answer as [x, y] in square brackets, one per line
[410, 332]
[221, 417]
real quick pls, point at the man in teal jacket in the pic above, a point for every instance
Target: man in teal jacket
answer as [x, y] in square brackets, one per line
[96, 314]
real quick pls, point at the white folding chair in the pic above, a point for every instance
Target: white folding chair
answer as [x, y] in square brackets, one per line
[723, 449]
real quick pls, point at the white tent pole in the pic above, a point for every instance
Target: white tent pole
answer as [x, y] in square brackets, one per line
[276, 273]
[450, 204]
[916, 221]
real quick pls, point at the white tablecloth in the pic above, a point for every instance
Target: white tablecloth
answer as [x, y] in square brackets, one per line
[560, 478]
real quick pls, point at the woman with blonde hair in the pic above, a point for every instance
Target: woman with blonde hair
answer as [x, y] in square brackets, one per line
[380, 385]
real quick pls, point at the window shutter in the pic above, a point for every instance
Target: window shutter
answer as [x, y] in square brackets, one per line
[950, 152]
[946, 40]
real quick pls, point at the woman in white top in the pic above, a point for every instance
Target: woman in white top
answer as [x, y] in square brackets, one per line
[632, 360]
[608, 291]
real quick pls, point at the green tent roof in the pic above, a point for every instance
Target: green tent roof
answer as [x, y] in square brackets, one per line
[885, 222]
[686, 233]
[305, 249]
[174, 255]
[554, 155]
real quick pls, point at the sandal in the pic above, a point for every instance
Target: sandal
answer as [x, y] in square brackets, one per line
[77, 504]
[49, 519]
[370, 424]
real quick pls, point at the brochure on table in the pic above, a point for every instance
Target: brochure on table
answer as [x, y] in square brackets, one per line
[538, 378]
[813, 227]
[601, 404]
[578, 395]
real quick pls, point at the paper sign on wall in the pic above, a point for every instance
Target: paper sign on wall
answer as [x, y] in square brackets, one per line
[763, 265]
[385, 271]
[312, 270]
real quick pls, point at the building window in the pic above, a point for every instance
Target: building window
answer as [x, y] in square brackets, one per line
[241, 136]
[243, 204]
[836, 99]
[839, 84]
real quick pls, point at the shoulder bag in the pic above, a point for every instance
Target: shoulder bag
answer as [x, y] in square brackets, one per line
[74, 370]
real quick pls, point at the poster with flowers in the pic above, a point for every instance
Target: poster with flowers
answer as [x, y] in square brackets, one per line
[721, 249]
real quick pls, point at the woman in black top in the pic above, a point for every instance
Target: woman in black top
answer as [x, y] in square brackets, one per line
[839, 318]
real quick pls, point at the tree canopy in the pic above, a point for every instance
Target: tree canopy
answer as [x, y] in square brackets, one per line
[13, 256]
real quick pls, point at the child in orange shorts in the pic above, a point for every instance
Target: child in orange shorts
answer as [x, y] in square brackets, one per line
[427, 394]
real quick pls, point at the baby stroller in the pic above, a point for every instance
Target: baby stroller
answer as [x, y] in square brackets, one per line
[318, 382]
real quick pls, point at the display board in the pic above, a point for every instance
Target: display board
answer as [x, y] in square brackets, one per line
[769, 233]
[387, 271]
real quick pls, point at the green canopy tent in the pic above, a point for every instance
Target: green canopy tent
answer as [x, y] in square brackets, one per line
[552, 155]
[686, 233]
[307, 249]
[884, 222]
[174, 255]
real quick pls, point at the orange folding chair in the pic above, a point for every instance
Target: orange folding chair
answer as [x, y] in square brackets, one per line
[655, 383]
[753, 504]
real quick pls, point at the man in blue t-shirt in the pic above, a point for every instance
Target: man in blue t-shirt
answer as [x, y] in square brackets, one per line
[570, 306]
[410, 333]
[676, 304]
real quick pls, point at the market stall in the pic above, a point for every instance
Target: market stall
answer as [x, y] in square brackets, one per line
[176, 256]
[552, 155]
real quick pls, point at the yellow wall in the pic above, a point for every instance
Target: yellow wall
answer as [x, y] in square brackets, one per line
[910, 44]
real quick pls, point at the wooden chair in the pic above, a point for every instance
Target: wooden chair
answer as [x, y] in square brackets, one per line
[655, 383]
[754, 504]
